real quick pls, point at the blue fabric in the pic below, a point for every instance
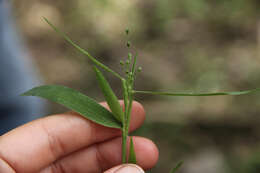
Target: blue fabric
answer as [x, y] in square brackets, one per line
[16, 76]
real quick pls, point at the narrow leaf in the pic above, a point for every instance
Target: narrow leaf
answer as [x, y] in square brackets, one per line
[110, 96]
[76, 101]
[132, 155]
[83, 51]
[199, 94]
[176, 167]
[134, 67]
[134, 63]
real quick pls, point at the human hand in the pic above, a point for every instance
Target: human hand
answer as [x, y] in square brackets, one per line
[70, 143]
[125, 168]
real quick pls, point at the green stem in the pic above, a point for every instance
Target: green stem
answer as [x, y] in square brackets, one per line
[124, 144]
[124, 130]
[130, 94]
[128, 101]
[125, 94]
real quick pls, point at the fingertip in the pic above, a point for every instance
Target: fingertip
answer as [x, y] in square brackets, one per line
[125, 168]
[110, 153]
[137, 115]
[147, 153]
[139, 109]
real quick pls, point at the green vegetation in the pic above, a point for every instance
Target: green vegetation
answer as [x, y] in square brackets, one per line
[90, 109]
[199, 46]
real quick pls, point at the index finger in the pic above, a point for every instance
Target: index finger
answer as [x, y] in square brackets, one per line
[35, 145]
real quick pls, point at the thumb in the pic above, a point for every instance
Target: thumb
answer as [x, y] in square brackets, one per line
[125, 168]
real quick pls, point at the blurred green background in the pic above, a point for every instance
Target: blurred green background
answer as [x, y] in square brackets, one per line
[184, 45]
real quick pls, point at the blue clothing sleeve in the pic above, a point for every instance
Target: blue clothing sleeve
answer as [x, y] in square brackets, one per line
[16, 76]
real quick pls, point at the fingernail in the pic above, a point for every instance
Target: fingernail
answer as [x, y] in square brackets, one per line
[129, 168]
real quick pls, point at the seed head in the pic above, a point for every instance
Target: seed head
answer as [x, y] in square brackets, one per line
[139, 69]
[122, 62]
[128, 44]
[129, 56]
[127, 31]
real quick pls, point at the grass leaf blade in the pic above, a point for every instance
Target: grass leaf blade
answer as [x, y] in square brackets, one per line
[76, 101]
[110, 96]
[132, 155]
[83, 51]
[176, 167]
[134, 64]
[199, 94]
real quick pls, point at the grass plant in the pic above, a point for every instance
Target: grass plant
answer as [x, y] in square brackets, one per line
[118, 117]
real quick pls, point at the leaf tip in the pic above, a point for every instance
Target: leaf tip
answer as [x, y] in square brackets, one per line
[179, 164]
[27, 93]
[132, 155]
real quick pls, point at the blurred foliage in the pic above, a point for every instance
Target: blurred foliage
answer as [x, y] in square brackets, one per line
[184, 45]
